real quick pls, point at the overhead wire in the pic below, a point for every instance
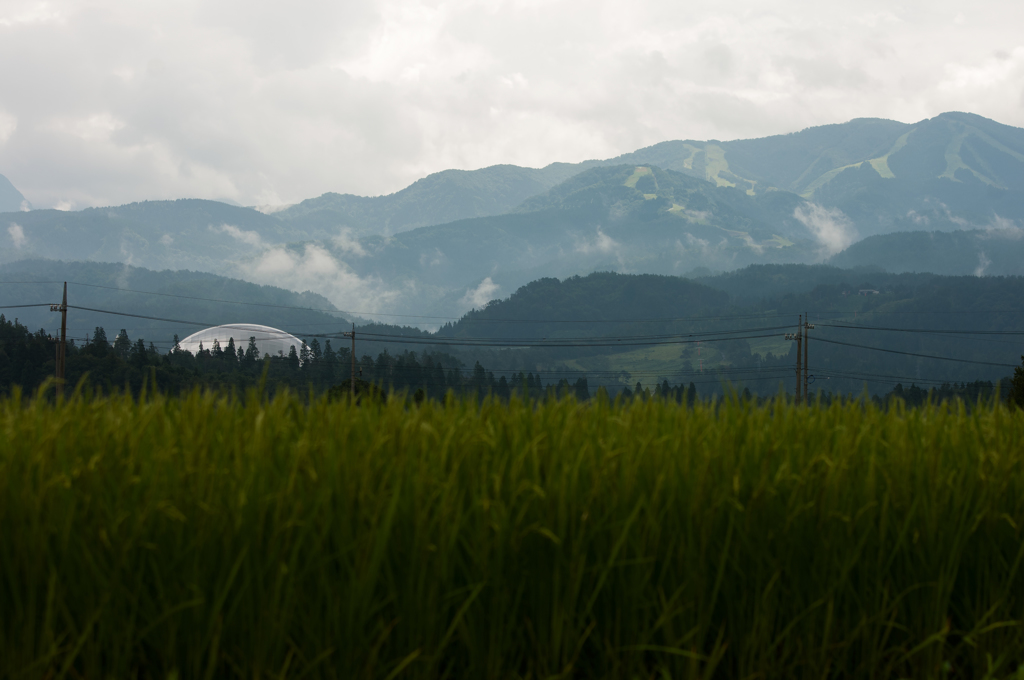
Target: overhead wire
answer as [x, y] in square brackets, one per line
[575, 342]
[912, 354]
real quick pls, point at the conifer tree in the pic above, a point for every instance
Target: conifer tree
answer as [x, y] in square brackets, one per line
[581, 390]
[1017, 385]
[139, 352]
[122, 345]
[330, 361]
[252, 354]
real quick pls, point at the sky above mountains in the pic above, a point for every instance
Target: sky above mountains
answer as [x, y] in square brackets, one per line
[257, 102]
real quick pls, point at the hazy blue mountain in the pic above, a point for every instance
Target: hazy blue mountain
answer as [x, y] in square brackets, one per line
[455, 237]
[619, 218]
[111, 287]
[943, 173]
[988, 252]
[182, 234]
[11, 199]
[436, 199]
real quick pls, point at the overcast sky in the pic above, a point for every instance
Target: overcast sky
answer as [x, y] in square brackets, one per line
[108, 101]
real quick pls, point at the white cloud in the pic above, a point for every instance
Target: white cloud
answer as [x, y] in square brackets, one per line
[255, 100]
[432, 258]
[476, 298]
[15, 12]
[918, 218]
[94, 128]
[250, 238]
[8, 124]
[314, 268]
[346, 242]
[63, 204]
[693, 245]
[1003, 224]
[166, 239]
[983, 263]
[601, 243]
[1002, 228]
[832, 229]
[17, 234]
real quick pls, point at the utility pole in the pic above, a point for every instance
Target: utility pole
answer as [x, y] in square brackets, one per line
[807, 327]
[807, 395]
[62, 343]
[797, 336]
[799, 366]
[352, 380]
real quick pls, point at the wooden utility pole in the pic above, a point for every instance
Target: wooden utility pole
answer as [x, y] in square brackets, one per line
[352, 380]
[807, 394]
[61, 357]
[807, 326]
[799, 347]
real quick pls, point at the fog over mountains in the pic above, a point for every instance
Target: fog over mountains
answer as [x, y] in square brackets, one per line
[944, 195]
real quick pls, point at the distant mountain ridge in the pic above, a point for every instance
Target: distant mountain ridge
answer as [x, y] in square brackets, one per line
[187, 295]
[455, 237]
[883, 174]
[978, 252]
[11, 199]
[442, 197]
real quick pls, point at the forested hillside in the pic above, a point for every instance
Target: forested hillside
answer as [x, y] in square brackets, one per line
[613, 330]
[872, 328]
[981, 252]
[187, 296]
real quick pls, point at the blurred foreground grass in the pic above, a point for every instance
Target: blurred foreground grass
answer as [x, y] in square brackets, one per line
[208, 537]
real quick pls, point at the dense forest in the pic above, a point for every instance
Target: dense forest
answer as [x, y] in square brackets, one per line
[873, 330]
[27, 360]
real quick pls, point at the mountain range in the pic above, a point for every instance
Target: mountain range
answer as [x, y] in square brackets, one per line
[944, 195]
[11, 199]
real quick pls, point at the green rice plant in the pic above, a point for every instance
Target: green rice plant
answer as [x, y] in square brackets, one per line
[210, 537]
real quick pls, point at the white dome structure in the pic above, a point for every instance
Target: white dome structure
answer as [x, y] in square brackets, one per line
[268, 340]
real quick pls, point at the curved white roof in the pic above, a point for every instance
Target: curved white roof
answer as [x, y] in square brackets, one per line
[269, 340]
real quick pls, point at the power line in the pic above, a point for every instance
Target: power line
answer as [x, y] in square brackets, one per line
[400, 339]
[462, 319]
[914, 354]
[202, 299]
[934, 331]
[879, 377]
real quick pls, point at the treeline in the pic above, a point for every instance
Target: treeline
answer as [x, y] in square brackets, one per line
[27, 359]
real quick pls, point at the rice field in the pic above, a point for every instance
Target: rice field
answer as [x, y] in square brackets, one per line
[217, 537]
